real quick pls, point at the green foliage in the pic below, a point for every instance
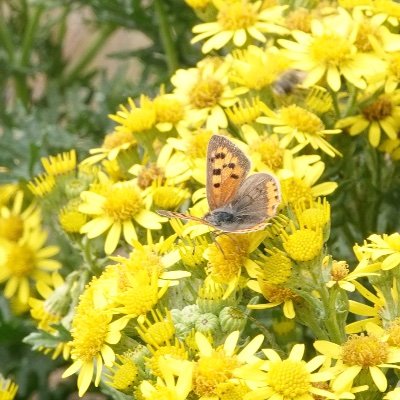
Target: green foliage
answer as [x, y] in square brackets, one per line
[70, 111]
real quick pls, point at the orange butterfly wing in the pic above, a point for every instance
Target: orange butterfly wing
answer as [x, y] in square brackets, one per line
[227, 167]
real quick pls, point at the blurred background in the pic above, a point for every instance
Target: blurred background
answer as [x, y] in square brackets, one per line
[64, 67]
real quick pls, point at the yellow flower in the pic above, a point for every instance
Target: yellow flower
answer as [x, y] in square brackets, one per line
[135, 119]
[290, 379]
[217, 366]
[7, 191]
[391, 147]
[380, 114]
[16, 220]
[302, 125]
[42, 184]
[170, 172]
[383, 248]
[114, 211]
[170, 112]
[302, 244]
[115, 142]
[8, 389]
[206, 91]
[373, 312]
[60, 164]
[159, 331]
[49, 311]
[276, 295]
[276, 268]
[124, 373]
[298, 178]
[25, 261]
[257, 68]
[229, 254]
[265, 151]
[193, 147]
[93, 331]
[341, 275]
[175, 382]
[239, 21]
[329, 52]
[360, 353]
[393, 394]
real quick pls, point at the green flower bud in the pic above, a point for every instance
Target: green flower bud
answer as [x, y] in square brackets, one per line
[232, 319]
[207, 323]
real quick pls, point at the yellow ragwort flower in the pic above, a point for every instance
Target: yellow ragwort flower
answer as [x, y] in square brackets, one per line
[114, 211]
[16, 220]
[294, 122]
[376, 116]
[25, 262]
[329, 52]
[93, 332]
[290, 379]
[239, 21]
[206, 92]
[8, 389]
[217, 366]
[360, 353]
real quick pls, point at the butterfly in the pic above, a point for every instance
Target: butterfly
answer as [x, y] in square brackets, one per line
[238, 203]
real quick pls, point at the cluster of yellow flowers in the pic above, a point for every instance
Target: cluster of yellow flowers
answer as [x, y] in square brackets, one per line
[161, 309]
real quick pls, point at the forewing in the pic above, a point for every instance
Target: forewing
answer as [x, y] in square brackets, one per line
[227, 167]
[257, 199]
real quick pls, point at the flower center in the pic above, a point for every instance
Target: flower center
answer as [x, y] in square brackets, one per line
[213, 370]
[125, 375]
[206, 93]
[168, 109]
[20, 260]
[340, 269]
[295, 189]
[289, 379]
[303, 244]
[276, 269]
[123, 203]
[226, 264]
[271, 153]
[149, 174]
[274, 293]
[89, 332]
[314, 218]
[330, 49]
[11, 228]
[299, 19]
[159, 333]
[366, 351]
[378, 110]
[117, 139]
[239, 15]
[302, 120]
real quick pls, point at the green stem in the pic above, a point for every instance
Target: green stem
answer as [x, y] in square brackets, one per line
[329, 304]
[89, 55]
[166, 37]
[30, 35]
[6, 39]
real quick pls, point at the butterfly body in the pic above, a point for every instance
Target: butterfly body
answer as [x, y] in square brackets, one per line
[237, 203]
